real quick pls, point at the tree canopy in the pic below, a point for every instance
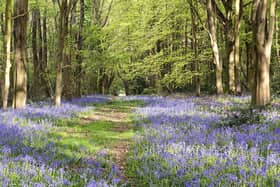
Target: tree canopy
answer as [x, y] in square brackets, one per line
[77, 47]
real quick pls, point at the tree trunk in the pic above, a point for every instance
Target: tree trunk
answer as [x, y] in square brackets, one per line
[262, 87]
[238, 6]
[36, 64]
[265, 26]
[45, 43]
[60, 51]
[64, 57]
[45, 57]
[67, 73]
[195, 48]
[70, 20]
[254, 49]
[67, 70]
[20, 35]
[3, 23]
[215, 48]
[101, 74]
[79, 56]
[229, 34]
[126, 87]
[277, 37]
[40, 55]
[249, 56]
[7, 53]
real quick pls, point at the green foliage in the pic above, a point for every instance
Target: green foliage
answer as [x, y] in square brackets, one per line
[148, 45]
[242, 117]
[154, 43]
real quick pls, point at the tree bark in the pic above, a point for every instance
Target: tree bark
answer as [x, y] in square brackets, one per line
[7, 53]
[45, 43]
[3, 23]
[254, 49]
[277, 37]
[265, 26]
[40, 55]
[63, 56]
[195, 48]
[215, 48]
[238, 6]
[20, 35]
[60, 51]
[229, 34]
[36, 64]
[79, 56]
[249, 56]
[67, 70]
[45, 57]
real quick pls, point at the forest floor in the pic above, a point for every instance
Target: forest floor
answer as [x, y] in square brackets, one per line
[154, 141]
[108, 128]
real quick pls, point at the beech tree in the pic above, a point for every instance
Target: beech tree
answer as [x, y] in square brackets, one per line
[264, 26]
[79, 55]
[195, 48]
[7, 53]
[36, 58]
[65, 8]
[238, 16]
[20, 39]
[215, 48]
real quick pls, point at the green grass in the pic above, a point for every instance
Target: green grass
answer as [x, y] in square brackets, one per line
[120, 105]
[74, 136]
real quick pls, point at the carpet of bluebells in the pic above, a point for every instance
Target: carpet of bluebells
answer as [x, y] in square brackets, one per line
[208, 141]
[29, 158]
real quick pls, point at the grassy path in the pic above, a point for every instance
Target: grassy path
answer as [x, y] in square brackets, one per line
[108, 127]
[118, 114]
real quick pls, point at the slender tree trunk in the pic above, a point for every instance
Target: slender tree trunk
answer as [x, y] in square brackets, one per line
[67, 70]
[229, 34]
[195, 48]
[265, 26]
[20, 35]
[36, 64]
[3, 23]
[7, 53]
[70, 20]
[277, 36]
[249, 67]
[126, 87]
[40, 39]
[186, 43]
[45, 43]
[40, 55]
[2, 66]
[101, 75]
[238, 6]
[249, 56]
[79, 56]
[109, 80]
[254, 49]
[215, 48]
[45, 56]
[60, 51]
